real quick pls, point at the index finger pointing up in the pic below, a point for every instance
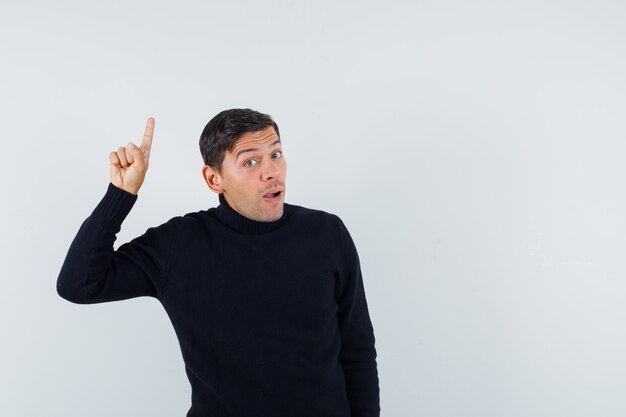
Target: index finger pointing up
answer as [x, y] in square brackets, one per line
[146, 142]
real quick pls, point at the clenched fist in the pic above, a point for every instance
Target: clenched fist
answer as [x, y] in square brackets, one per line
[129, 164]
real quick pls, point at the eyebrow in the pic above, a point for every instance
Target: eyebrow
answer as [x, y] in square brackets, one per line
[252, 149]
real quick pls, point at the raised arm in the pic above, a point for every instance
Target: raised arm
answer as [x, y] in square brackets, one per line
[93, 271]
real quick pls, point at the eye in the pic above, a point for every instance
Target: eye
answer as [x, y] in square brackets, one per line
[249, 160]
[280, 154]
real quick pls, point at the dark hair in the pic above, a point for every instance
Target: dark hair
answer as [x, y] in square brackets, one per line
[223, 130]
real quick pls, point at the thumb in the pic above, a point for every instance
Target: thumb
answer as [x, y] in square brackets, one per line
[139, 162]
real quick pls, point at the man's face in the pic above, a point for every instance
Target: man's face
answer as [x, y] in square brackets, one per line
[252, 169]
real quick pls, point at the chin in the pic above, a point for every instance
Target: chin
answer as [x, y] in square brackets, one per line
[273, 217]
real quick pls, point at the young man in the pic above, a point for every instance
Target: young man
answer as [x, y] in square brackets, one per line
[266, 297]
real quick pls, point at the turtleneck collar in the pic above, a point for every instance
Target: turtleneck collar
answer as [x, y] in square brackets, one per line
[229, 216]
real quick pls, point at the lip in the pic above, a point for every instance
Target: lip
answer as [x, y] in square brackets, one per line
[274, 190]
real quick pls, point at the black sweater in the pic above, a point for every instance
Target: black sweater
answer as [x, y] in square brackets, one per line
[271, 317]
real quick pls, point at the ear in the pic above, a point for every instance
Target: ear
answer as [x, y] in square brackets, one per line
[213, 179]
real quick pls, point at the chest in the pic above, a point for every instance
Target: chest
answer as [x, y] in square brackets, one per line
[266, 291]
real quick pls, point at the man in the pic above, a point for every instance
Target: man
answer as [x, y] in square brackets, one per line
[266, 298]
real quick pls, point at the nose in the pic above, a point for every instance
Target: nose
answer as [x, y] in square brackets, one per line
[270, 171]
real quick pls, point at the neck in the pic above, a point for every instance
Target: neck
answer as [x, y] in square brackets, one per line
[237, 221]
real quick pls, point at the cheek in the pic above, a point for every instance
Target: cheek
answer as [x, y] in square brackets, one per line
[242, 176]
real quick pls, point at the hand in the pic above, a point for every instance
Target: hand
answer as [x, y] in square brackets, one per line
[130, 164]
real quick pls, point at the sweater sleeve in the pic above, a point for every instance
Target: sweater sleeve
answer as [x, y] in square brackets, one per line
[93, 272]
[358, 352]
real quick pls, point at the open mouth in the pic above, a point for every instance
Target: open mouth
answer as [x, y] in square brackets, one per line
[272, 196]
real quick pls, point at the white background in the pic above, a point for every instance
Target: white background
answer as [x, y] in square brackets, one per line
[474, 150]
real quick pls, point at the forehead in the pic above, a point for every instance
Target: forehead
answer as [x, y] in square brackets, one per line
[266, 137]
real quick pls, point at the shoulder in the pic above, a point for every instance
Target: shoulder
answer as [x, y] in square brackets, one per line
[168, 227]
[197, 221]
[174, 224]
[314, 217]
[330, 222]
